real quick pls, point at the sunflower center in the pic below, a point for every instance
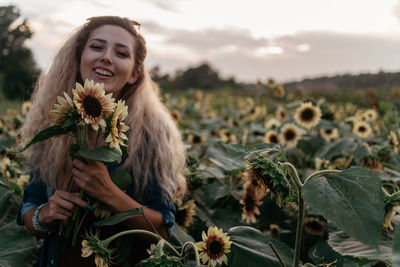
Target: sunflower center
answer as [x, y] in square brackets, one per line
[180, 216]
[215, 247]
[273, 139]
[362, 129]
[249, 203]
[92, 106]
[307, 115]
[328, 131]
[289, 135]
[197, 139]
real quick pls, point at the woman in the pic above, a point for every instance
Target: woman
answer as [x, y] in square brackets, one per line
[108, 50]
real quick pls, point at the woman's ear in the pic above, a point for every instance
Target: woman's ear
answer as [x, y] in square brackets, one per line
[133, 78]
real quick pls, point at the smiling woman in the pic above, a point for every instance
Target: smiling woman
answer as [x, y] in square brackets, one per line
[108, 52]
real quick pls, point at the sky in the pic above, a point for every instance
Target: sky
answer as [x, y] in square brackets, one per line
[250, 40]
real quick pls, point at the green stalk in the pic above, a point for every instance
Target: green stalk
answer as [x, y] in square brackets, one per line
[299, 229]
[320, 173]
[196, 253]
[107, 241]
[277, 254]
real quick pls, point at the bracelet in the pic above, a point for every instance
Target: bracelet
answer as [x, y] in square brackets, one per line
[36, 224]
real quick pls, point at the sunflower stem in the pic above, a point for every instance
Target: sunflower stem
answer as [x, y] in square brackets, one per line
[196, 253]
[277, 254]
[320, 173]
[107, 241]
[299, 230]
[97, 138]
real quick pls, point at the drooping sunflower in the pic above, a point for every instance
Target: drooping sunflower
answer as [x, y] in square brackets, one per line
[362, 129]
[214, 247]
[116, 136]
[184, 214]
[101, 211]
[329, 134]
[60, 111]
[251, 202]
[92, 103]
[308, 115]
[281, 114]
[290, 135]
[92, 245]
[271, 137]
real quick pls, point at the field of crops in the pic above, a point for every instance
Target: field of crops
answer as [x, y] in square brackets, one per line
[286, 179]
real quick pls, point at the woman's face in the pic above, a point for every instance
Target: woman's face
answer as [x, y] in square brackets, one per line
[109, 58]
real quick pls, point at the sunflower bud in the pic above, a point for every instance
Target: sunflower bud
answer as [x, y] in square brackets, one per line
[268, 174]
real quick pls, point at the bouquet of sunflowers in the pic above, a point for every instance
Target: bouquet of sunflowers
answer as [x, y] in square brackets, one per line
[89, 107]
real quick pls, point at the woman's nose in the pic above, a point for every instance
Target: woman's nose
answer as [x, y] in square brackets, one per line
[107, 56]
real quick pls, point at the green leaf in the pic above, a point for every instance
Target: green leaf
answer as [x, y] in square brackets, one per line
[250, 248]
[46, 134]
[17, 246]
[215, 191]
[103, 153]
[120, 217]
[351, 248]
[230, 157]
[121, 178]
[352, 200]
[336, 148]
[396, 248]
[5, 143]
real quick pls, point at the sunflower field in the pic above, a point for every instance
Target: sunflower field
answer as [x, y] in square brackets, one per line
[275, 178]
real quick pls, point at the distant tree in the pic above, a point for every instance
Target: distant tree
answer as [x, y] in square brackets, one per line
[163, 80]
[18, 71]
[202, 77]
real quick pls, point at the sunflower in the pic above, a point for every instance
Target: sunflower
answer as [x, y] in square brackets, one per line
[116, 136]
[92, 103]
[196, 139]
[308, 115]
[93, 245]
[176, 115]
[60, 111]
[370, 115]
[272, 124]
[314, 225]
[26, 106]
[271, 137]
[329, 134]
[279, 91]
[251, 202]
[101, 211]
[275, 230]
[290, 135]
[389, 216]
[322, 164]
[22, 181]
[281, 113]
[362, 129]
[184, 214]
[214, 247]
[372, 163]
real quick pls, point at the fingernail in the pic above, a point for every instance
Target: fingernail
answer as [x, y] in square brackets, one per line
[88, 207]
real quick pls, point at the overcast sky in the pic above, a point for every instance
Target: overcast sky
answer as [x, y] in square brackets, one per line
[253, 39]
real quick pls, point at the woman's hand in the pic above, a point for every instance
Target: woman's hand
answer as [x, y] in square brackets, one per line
[60, 207]
[93, 178]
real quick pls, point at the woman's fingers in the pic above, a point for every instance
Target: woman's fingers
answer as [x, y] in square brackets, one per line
[60, 206]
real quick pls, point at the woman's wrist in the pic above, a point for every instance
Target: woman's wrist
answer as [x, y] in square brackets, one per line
[35, 220]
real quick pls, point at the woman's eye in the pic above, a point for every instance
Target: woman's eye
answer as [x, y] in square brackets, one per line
[97, 47]
[122, 54]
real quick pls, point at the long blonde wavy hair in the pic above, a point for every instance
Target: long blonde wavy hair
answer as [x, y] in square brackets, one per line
[155, 146]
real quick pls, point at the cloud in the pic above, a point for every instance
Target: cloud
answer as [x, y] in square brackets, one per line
[396, 11]
[304, 54]
[168, 5]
